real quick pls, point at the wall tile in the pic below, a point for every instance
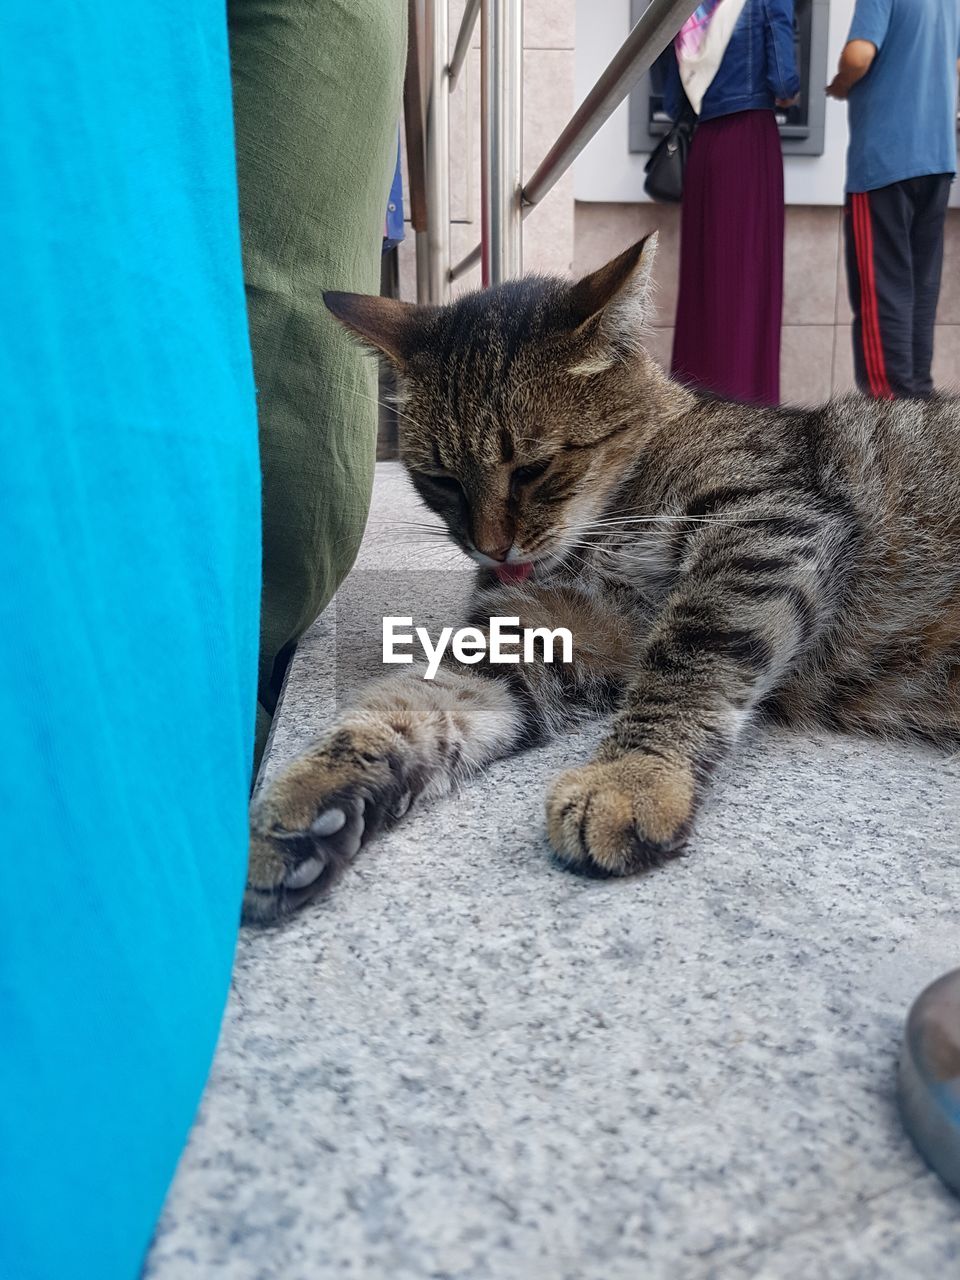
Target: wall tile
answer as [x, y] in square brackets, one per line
[465, 143]
[843, 379]
[601, 231]
[948, 312]
[946, 357]
[810, 265]
[548, 24]
[843, 313]
[548, 232]
[806, 363]
[664, 218]
[604, 230]
[548, 103]
[463, 236]
[659, 344]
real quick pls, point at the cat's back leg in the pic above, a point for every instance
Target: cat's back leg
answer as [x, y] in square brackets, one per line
[871, 681]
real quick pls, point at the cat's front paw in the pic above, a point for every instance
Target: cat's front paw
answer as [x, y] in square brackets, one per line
[310, 822]
[614, 817]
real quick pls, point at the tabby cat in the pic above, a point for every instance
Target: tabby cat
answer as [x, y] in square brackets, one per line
[712, 560]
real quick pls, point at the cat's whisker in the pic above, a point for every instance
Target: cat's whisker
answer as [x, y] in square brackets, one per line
[424, 535]
[387, 527]
[616, 521]
[384, 404]
[569, 553]
[417, 542]
[438, 533]
[409, 524]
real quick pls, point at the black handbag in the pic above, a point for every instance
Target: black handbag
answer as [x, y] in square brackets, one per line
[668, 162]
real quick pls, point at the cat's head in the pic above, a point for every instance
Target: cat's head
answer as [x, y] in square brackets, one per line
[520, 406]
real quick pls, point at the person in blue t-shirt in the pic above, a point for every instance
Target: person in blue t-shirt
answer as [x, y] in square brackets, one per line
[898, 70]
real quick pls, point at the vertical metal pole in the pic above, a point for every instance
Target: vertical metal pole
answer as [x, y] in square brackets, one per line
[501, 138]
[436, 149]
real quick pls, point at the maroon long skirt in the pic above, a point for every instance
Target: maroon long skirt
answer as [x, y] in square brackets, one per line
[730, 302]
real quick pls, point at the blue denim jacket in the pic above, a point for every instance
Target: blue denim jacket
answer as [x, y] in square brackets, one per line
[759, 64]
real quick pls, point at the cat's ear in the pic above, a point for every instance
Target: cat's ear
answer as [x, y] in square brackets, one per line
[609, 306]
[382, 323]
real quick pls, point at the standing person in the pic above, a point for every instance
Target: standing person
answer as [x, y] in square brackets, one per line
[130, 564]
[899, 71]
[735, 61]
[316, 90]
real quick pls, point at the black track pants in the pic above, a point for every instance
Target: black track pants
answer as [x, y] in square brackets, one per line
[894, 251]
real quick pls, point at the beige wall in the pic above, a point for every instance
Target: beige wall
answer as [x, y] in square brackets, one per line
[816, 360]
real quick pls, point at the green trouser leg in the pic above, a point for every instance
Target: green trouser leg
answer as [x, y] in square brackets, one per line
[317, 90]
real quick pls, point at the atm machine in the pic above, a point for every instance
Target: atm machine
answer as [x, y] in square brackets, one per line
[801, 127]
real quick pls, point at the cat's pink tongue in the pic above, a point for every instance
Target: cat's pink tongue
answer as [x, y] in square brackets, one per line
[513, 572]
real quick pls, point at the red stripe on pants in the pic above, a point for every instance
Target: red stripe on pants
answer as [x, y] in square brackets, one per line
[869, 313]
[866, 335]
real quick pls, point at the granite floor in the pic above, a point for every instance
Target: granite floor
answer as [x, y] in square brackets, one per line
[468, 1064]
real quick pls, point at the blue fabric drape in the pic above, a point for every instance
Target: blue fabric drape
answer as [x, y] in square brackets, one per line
[129, 578]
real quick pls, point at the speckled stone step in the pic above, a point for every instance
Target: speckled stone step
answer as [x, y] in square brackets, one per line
[466, 1063]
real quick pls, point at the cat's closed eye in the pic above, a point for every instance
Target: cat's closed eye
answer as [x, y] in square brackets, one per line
[524, 476]
[441, 480]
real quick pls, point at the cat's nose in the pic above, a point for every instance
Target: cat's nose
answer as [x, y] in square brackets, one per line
[496, 550]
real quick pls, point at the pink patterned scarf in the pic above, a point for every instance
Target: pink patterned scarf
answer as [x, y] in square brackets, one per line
[701, 43]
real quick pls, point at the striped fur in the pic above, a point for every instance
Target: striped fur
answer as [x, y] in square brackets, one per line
[714, 561]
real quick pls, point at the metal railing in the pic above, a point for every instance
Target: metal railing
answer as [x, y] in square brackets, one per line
[504, 198]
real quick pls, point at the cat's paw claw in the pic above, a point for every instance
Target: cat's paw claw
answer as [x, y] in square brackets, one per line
[304, 874]
[339, 830]
[313, 819]
[612, 818]
[288, 868]
[328, 822]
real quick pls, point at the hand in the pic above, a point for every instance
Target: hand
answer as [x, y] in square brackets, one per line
[788, 102]
[838, 88]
